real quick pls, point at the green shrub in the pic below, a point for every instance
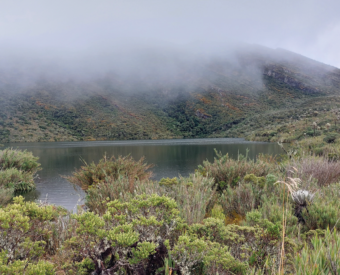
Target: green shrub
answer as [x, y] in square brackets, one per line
[321, 257]
[330, 138]
[131, 230]
[236, 202]
[25, 232]
[272, 208]
[23, 267]
[92, 174]
[111, 189]
[247, 196]
[248, 244]
[190, 251]
[168, 182]
[260, 181]
[228, 172]
[16, 179]
[217, 212]
[6, 195]
[192, 194]
[21, 160]
[311, 133]
[324, 211]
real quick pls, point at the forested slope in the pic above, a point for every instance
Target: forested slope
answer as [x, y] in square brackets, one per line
[207, 97]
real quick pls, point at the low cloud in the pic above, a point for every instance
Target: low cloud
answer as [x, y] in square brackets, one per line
[308, 27]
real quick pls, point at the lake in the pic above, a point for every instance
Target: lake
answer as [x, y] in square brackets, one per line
[170, 157]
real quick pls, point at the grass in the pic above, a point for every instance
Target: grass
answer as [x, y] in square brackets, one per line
[17, 171]
[21, 160]
[109, 170]
[323, 170]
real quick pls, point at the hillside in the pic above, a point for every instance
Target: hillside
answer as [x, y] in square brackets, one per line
[231, 95]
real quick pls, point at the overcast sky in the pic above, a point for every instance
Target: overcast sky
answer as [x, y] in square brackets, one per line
[308, 27]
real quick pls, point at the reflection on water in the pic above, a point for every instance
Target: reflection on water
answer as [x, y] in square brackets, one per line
[171, 158]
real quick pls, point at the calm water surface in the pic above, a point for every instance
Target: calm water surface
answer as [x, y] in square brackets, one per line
[171, 158]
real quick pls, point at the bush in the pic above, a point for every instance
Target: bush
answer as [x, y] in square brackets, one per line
[228, 172]
[16, 179]
[236, 202]
[247, 196]
[25, 232]
[21, 160]
[100, 194]
[192, 194]
[321, 169]
[330, 138]
[129, 231]
[6, 195]
[17, 169]
[248, 244]
[321, 257]
[92, 174]
[324, 211]
[190, 251]
[23, 267]
[271, 209]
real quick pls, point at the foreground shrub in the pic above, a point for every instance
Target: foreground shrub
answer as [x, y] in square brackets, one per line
[190, 251]
[25, 234]
[236, 202]
[21, 160]
[324, 211]
[249, 244]
[92, 174]
[248, 195]
[111, 189]
[321, 257]
[275, 210]
[228, 172]
[130, 232]
[137, 236]
[192, 195]
[23, 267]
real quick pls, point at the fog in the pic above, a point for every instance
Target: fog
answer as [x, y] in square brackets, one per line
[308, 27]
[159, 64]
[159, 42]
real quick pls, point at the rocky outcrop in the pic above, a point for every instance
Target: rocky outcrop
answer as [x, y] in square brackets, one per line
[284, 77]
[200, 113]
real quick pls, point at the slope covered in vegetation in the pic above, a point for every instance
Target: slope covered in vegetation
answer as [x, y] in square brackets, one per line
[205, 97]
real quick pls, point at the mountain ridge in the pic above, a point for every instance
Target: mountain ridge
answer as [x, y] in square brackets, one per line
[167, 99]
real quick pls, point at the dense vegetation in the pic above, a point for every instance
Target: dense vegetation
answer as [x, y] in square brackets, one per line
[17, 171]
[231, 216]
[209, 98]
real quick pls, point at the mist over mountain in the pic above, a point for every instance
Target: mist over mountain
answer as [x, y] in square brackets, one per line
[142, 92]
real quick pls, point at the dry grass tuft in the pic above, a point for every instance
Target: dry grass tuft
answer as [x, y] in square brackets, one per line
[324, 171]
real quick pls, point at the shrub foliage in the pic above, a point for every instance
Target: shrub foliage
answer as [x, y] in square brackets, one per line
[229, 217]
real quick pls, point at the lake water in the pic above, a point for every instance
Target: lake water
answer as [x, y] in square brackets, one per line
[171, 158]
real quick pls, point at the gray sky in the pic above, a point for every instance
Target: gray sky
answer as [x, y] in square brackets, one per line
[308, 27]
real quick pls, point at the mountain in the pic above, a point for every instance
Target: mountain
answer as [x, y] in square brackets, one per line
[167, 95]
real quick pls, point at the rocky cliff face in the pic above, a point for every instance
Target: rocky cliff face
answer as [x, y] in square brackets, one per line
[284, 76]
